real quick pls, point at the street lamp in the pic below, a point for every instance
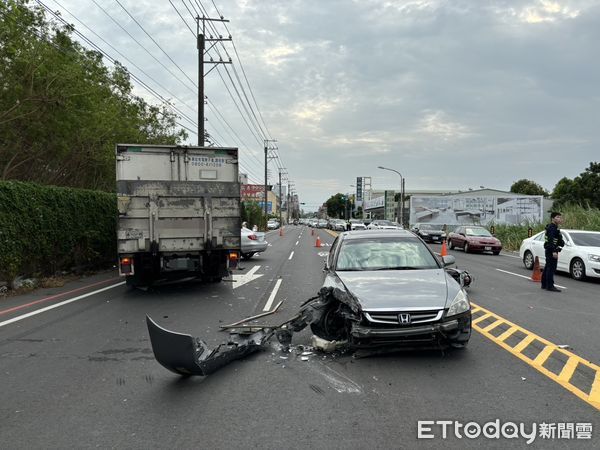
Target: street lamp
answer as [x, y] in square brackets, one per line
[401, 203]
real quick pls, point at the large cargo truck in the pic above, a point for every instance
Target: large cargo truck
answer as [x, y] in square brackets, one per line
[179, 212]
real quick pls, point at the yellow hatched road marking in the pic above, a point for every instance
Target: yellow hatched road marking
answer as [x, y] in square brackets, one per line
[481, 318]
[573, 361]
[595, 392]
[493, 325]
[524, 343]
[507, 333]
[543, 355]
[568, 370]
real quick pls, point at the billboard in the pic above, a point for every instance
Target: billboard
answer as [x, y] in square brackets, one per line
[359, 189]
[476, 210]
[253, 191]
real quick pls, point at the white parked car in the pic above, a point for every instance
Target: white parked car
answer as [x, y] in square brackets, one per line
[252, 242]
[272, 224]
[356, 224]
[580, 256]
[383, 225]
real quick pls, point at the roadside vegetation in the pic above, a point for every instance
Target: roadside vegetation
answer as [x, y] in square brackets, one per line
[575, 217]
[45, 230]
[62, 109]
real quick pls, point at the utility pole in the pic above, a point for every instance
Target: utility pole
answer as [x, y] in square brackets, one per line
[200, 45]
[280, 202]
[290, 187]
[267, 148]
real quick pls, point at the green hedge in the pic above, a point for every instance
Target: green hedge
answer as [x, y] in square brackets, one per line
[44, 229]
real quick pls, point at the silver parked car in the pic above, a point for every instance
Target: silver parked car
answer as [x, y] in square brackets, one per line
[252, 242]
[405, 296]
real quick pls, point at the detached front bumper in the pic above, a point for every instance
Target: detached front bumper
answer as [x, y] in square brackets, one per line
[455, 332]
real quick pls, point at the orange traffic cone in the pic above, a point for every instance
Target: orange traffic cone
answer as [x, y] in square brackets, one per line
[536, 276]
[444, 251]
[318, 243]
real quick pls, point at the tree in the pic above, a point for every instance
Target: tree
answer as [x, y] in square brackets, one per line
[62, 110]
[253, 214]
[336, 206]
[583, 190]
[528, 187]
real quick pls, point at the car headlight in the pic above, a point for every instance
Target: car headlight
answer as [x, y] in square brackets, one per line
[595, 258]
[459, 305]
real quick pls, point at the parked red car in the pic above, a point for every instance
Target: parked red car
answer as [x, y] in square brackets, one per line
[473, 238]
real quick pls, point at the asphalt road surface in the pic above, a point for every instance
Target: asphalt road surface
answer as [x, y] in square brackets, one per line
[77, 370]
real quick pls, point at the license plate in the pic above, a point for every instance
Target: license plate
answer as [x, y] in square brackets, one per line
[487, 248]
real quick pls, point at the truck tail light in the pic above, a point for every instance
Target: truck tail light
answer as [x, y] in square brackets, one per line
[126, 266]
[233, 259]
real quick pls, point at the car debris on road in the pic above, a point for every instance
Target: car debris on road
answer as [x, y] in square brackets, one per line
[186, 355]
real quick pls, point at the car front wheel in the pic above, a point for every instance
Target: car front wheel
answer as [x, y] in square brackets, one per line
[450, 244]
[528, 260]
[577, 269]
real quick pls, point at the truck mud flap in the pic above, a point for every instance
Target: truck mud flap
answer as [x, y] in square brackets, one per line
[186, 355]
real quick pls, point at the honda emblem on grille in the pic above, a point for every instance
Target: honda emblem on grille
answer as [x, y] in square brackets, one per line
[404, 319]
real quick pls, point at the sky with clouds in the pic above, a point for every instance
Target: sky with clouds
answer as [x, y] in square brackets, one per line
[452, 94]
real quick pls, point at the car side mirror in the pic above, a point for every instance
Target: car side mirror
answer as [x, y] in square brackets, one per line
[462, 234]
[448, 260]
[325, 265]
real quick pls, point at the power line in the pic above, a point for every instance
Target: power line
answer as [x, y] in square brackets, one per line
[143, 47]
[113, 61]
[42, 38]
[122, 55]
[243, 72]
[179, 14]
[153, 40]
[251, 114]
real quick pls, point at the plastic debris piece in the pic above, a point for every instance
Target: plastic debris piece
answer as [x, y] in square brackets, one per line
[304, 358]
[565, 346]
[523, 378]
[325, 345]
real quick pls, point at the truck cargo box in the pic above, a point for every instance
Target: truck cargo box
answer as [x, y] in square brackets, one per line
[177, 202]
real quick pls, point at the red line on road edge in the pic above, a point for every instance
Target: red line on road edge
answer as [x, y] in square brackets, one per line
[16, 308]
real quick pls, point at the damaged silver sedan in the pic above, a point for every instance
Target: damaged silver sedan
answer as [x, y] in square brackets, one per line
[383, 290]
[406, 298]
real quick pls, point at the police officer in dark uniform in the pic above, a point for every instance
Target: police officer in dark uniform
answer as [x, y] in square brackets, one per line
[553, 244]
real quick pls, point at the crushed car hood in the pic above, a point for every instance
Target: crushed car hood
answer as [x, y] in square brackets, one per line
[395, 290]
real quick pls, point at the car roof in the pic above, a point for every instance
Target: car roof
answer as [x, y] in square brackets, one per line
[364, 234]
[579, 231]
[570, 230]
